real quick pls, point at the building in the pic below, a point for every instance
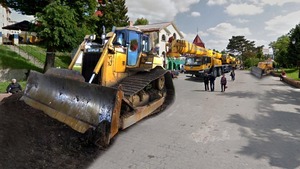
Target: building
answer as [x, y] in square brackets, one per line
[197, 41]
[4, 20]
[161, 33]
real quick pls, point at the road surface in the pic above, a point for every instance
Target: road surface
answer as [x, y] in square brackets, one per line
[254, 124]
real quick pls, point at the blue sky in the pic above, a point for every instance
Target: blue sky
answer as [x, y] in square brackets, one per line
[217, 21]
[262, 21]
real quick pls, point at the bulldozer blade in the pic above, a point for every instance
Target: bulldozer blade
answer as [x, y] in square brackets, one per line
[63, 95]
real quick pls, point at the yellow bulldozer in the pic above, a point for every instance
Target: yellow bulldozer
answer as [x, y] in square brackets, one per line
[119, 84]
[266, 65]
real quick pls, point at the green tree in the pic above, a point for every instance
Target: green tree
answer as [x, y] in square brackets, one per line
[241, 47]
[61, 23]
[293, 51]
[114, 14]
[280, 50]
[26, 7]
[58, 30]
[141, 21]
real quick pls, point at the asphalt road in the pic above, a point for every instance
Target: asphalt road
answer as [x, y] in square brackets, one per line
[254, 124]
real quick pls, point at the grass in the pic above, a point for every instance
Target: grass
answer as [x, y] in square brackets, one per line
[3, 86]
[292, 73]
[12, 60]
[62, 59]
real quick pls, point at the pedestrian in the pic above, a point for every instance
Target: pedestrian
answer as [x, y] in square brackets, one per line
[206, 79]
[282, 75]
[232, 74]
[223, 83]
[14, 87]
[212, 79]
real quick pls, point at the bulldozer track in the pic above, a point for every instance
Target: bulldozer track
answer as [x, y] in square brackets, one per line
[133, 84]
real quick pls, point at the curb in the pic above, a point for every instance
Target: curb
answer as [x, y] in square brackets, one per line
[287, 80]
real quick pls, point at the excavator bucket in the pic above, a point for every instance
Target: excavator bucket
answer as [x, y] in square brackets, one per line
[64, 95]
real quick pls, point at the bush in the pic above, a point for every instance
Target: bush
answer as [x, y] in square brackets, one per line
[251, 62]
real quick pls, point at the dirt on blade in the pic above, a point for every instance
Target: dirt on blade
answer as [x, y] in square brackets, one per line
[31, 139]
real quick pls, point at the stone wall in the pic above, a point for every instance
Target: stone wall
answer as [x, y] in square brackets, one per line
[8, 74]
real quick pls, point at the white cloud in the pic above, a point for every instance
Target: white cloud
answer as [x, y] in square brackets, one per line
[243, 9]
[259, 42]
[226, 31]
[19, 17]
[218, 44]
[216, 2]
[157, 10]
[278, 2]
[282, 24]
[195, 14]
[182, 6]
[191, 36]
[240, 20]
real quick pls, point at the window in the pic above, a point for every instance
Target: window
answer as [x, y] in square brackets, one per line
[174, 36]
[163, 38]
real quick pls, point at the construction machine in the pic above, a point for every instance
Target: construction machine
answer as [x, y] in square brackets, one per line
[119, 84]
[228, 62]
[266, 65]
[199, 60]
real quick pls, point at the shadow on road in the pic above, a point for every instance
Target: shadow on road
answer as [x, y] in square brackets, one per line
[274, 133]
[240, 94]
[194, 79]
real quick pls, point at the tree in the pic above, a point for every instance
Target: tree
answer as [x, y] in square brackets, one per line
[293, 51]
[241, 47]
[280, 50]
[114, 13]
[141, 21]
[61, 23]
[26, 7]
[58, 30]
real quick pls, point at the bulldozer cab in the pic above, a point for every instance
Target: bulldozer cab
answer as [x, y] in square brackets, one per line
[135, 42]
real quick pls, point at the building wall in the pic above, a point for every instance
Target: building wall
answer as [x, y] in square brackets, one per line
[4, 20]
[168, 32]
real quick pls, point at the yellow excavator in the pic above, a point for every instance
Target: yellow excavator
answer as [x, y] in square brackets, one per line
[120, 83]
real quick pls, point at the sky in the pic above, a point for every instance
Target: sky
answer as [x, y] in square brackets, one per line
[216, 21]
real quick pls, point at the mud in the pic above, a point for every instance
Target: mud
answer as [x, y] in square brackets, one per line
[30, 139]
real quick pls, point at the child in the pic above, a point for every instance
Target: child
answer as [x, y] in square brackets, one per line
[223, 83]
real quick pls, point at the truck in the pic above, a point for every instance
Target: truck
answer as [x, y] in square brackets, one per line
[199, 60]
[228, 62]
[120, 83]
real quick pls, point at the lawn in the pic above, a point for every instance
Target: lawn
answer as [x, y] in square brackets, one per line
[291, 73]
[12, 60]
[62, 59]
[3, 86]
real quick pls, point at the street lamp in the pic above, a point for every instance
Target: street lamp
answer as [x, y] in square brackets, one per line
[298, 62]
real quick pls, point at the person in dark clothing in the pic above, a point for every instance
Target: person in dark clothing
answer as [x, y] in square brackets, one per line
[232, 74]
[206, 79]
[212, 79]
[223, 83]
[14, 87]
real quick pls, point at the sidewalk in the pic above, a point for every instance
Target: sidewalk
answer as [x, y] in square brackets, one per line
[4, 95]
[26, 55]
